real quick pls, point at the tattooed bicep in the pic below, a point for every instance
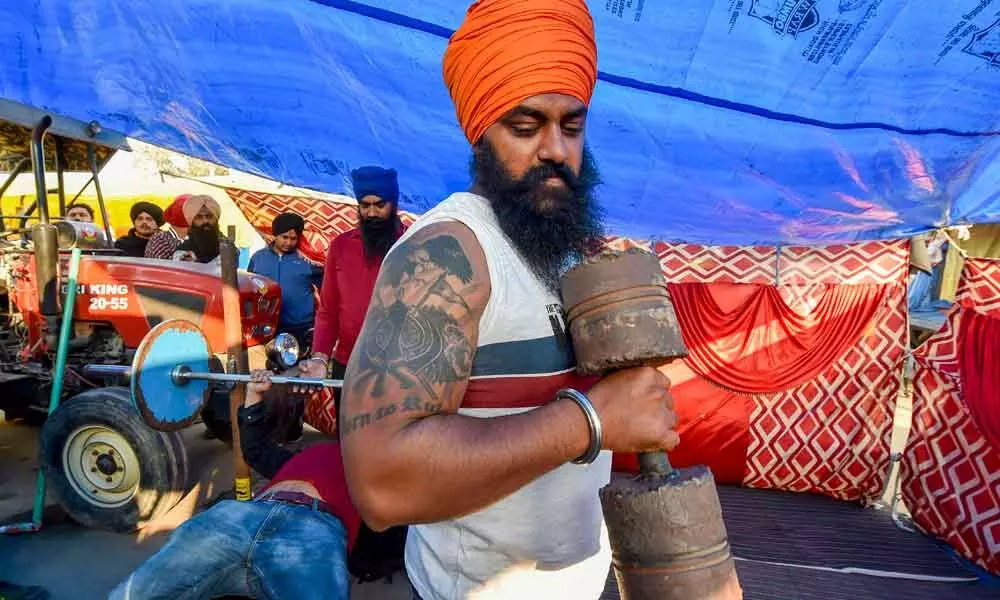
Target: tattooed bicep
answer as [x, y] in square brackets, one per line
[418, 342]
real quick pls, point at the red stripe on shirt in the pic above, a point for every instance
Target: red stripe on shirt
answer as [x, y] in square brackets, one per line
[530, 391]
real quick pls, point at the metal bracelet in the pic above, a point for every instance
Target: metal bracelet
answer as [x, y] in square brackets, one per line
[326, 363]
[593, 420]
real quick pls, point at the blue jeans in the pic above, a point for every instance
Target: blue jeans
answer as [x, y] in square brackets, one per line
[260, 549]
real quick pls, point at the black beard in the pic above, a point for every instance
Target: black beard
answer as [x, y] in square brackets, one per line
[378, 235]
[548, 227]
[205, 242]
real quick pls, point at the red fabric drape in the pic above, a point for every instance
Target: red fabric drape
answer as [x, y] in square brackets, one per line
[745, 338]
[979, 369]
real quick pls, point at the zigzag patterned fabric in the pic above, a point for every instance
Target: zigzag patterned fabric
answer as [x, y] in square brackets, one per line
[950, 475]
[831, 434]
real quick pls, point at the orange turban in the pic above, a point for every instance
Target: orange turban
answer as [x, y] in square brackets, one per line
[509, 50]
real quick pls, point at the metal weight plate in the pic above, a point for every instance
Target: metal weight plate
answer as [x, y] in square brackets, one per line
[164, 404]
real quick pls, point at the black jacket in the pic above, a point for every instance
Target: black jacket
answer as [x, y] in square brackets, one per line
[132, 245]
[260, 450]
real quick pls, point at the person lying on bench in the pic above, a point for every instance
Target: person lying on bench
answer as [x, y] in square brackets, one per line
[291, 541]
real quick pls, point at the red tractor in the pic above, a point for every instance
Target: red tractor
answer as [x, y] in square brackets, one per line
[106, 467]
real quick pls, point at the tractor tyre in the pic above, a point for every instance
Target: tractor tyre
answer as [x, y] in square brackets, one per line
[173, 445]
[215, 413]
[106, 467]
[215, 416]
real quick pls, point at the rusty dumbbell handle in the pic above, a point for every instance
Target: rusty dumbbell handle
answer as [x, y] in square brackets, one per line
[655, 465]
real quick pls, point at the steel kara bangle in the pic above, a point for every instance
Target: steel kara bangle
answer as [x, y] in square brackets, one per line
[593, 420]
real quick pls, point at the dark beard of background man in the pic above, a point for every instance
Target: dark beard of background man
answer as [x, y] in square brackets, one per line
[378, 235]
[548, 239]
[205, 241]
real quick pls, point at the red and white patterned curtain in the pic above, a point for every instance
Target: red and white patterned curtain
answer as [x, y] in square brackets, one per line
[795, 362]
[950, 476]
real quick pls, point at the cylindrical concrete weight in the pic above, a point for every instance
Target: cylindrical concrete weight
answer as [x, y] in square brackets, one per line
[619, 313]
[668, 538]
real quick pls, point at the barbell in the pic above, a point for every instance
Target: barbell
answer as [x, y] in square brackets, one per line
[170, 375]
[182, 374]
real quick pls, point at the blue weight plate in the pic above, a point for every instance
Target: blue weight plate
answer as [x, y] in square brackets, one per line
[163, 404]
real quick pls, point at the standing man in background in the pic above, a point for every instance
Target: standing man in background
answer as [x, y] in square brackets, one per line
[352, 263]
[298, 279]
[146, 220]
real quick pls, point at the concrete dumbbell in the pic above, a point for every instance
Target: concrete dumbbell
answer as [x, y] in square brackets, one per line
[668, 539]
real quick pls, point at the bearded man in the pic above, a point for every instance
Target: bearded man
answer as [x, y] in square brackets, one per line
[352, 263]
[203, 235]
[462, 412]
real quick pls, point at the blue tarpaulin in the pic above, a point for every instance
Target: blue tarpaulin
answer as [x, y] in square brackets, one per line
[733, 121]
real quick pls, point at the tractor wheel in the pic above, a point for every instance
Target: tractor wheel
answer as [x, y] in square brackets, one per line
[173, 444]
[215, 415]
[106, 467]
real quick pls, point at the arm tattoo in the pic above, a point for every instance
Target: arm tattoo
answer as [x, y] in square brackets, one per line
[413, 332]
[411, 404]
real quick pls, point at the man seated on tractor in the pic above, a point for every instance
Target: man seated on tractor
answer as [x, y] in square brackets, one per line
[291, 541]
[164, 242]
[202, 243]
[146, 220]
[79, 213]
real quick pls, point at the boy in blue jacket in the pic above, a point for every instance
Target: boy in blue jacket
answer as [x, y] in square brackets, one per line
[296, 276]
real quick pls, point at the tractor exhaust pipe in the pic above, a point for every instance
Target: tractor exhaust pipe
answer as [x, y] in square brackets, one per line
[38, 162]
[45, 237]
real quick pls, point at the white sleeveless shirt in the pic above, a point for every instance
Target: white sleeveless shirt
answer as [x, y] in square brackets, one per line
[548, 539]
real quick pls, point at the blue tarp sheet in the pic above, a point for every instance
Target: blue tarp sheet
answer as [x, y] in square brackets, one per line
[726, 121]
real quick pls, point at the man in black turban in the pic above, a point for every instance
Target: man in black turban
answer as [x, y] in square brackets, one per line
[147, 218]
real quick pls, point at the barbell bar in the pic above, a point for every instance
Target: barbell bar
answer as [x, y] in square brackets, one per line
[170, 375]
[182, 374]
